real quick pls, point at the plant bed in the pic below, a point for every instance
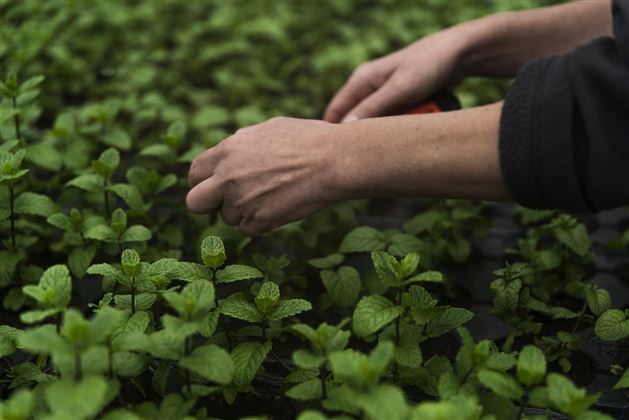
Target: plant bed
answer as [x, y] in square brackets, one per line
[117, 303]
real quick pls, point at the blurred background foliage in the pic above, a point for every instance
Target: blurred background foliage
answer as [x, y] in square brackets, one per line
[217, 65]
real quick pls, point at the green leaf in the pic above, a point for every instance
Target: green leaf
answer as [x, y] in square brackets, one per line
[34, 204]
[373, 313]
[598, 300]
[387, 268]
[101, 233]
[238, 307]
[8, 338]
[32, 317]
[500, 383]
[195, 300]
[130, 195]
[211, 362]
[62, 221]
[426, 276]
[448, 320]
[19, 406]
[593, 415]
[237, 272]
[87, 182]
[46, 155]
[506, 295]
[130, 260]
[565, 396]
[111, 158]
[576, 238]
[307, 360]
[423, 222]
[136, 233]
[80, 259]
[531, 367]
[248, 358]
[327, 262]
[385, 401]
[343, 285]
[267, 297]
[105, 270]
[213, 251]
[44, 339]
[612, 325]
[306, 391]
[623, 382]
[288, 308]
[363, 239]
[54, 289]
[67, 398]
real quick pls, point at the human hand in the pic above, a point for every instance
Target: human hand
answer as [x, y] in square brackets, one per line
[403, 78]
[267, 175]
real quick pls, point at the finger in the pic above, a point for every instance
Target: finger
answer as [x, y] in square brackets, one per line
[251, 228]
[205, 196]
[230, 215]
[359, 86]
[383, 101]
[202, 167]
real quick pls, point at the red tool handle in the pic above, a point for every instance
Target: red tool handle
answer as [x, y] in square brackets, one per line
[442, 101]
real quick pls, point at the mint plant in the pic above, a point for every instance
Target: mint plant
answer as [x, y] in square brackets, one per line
[117, 303]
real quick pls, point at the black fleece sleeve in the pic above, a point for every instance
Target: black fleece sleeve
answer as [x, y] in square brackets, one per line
[564, 129]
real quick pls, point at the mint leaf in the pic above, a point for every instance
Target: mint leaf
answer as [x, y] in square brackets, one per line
[363, 239]
[612, 325]
[565, 396]
[267, 297]
[327, 262]
[248, 358]
[387, 268]
[501, 384]
[34, 204]
[238, 307]
[598, 300]
[211, 362]
[531, 367]
[136, 233]
[305, 391]
[448, 320]
[343, 285]
[237, 272]
[288, 308]
[373, 313]
[67, 398]
[213, 252]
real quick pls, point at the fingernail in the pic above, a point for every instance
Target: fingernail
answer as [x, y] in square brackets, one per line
[349, 118]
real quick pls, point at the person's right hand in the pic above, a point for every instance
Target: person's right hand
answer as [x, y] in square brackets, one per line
[403, 78]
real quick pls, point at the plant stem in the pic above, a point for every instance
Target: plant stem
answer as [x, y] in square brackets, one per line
[16, 120]
[278, 360]
[398, 298]
[186, 351]
[324, 388]
[133, 295]
[107, 207]
[12, 217]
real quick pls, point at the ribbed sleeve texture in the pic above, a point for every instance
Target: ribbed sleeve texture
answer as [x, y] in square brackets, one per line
[564, 129]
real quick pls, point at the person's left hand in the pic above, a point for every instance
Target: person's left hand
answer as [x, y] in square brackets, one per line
[267, 175]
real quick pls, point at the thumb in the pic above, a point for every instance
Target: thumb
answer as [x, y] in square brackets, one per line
[379, 103]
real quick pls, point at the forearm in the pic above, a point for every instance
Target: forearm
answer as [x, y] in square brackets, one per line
[446, 155]
[498, 45]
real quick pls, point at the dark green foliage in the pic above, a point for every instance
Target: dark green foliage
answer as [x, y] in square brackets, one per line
[122, 305]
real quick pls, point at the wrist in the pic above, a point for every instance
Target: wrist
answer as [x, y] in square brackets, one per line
[479, 39]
